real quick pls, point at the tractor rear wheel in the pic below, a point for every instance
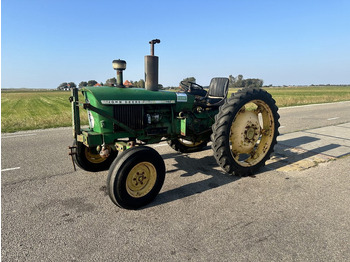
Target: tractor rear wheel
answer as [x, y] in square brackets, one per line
[245, 131]
[135, 177]
[88, 159]
[186, 146]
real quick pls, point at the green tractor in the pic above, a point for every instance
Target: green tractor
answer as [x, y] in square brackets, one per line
[123, 121]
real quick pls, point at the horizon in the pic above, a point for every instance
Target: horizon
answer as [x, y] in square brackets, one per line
[167, 87]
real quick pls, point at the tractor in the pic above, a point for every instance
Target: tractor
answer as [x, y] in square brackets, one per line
[242, 130]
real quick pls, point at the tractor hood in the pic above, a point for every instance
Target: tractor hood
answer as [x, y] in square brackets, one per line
[133, 96]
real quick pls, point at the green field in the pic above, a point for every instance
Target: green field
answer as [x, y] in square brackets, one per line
[27, 110]
[35, 110]
[294, 96]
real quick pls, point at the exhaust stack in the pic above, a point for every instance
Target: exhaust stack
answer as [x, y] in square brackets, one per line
[151, 68]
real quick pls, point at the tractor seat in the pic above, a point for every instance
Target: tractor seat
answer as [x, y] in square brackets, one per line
[217, 93]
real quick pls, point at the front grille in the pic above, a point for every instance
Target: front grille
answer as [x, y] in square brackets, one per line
[129, 115]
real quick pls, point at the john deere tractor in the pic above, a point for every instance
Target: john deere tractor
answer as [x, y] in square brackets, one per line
[123, 121]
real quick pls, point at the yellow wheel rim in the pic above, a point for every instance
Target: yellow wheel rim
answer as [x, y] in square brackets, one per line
[252, 133]
[92, 156]
[189, 143]
[141, 179]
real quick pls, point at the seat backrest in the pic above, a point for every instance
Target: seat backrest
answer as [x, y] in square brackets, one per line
[218, 87]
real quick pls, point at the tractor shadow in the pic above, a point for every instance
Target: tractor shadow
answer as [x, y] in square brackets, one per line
[190, 167]
[193, 164]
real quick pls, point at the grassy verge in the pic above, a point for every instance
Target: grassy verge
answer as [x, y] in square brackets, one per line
[296, 96]
[35, 110]
[24, 110]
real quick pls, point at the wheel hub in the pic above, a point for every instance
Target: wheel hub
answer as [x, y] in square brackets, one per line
[250, 132]
[93, 156]
[141, 179]
[245, 132]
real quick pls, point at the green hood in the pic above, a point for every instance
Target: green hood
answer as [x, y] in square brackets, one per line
[122, 96]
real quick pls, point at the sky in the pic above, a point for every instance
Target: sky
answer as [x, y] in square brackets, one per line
[47, 42]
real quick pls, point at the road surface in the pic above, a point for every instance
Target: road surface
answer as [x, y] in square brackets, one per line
[290, 211]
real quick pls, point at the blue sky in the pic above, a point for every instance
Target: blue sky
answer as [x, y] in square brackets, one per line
[45, 43]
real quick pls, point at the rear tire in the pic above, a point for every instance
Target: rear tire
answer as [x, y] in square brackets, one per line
[245, 131]
[135, 177]
[88, 159]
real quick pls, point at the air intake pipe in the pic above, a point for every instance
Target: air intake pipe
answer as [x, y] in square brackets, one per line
[151, 68]
[119, 66]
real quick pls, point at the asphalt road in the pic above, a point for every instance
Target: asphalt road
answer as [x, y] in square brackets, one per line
[51, 213]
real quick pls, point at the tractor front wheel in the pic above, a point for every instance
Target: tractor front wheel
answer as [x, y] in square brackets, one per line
[88, 159]
[135, 177]
[245, 131]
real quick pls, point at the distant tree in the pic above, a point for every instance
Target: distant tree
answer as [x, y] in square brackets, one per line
[92, 82]
[231, 81]
[253, 82]
[101, 83]
[160, 87]
[189, 79]
[140, 83]
[246, 83]
[82, 84]
[239, 81]
[62, 86]
[72, 84]
[111, 81]
[260, 82]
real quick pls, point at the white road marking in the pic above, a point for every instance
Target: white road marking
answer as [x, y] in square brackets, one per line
[9, 169]
[11, 136]
[333, 118]
[282, 127]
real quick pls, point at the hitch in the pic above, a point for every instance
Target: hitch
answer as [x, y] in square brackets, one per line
[73, 151]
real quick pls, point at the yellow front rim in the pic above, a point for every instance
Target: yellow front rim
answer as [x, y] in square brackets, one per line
[92, 156]
[252, 133]
[141, 179]
[188, 143]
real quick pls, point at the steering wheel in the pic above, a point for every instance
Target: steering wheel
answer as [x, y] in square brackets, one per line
[188, 86]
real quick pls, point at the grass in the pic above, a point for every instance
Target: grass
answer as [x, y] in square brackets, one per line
[294, 96]
[35, 110]
[305, 95]
[28, 110]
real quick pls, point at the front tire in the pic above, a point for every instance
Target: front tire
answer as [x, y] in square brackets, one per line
[245, 131]
[88, 159]
[135, 177]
